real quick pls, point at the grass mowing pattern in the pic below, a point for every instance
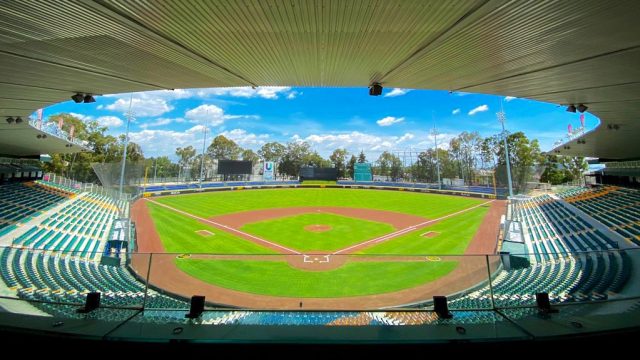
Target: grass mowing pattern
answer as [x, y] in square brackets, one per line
[289, 231]
[178, 235]
[455, 235]
[210, 204]
[279, 279]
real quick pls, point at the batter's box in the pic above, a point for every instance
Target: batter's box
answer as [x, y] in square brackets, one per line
[316, 258]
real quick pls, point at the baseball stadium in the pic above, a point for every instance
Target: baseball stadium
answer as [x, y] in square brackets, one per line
[234, 249]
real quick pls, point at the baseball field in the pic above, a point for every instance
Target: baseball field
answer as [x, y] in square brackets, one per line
[318, 245]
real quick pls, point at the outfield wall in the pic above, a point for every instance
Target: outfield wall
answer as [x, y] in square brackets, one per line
[247, 185]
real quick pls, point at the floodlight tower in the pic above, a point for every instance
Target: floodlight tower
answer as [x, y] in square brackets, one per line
[130, 116]
[502, 117]
[434, 132]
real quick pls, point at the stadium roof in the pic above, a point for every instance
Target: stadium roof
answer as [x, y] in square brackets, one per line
[564, 52]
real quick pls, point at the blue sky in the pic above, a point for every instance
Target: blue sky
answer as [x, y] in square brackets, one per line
[327, 118]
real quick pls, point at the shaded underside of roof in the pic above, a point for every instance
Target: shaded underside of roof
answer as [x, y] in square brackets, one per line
[563, 52]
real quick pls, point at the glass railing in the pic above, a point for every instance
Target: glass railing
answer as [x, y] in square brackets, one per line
[319, 297]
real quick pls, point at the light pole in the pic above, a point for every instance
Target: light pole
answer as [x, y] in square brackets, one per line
[126, 144]
[155, 168]
[434, 132]
[502, 117]
[204, 144]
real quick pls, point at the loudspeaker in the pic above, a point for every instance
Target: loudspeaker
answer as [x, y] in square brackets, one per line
[91, 303]
[197, 307]
[544, 305]
[441, 308]
[375, 90]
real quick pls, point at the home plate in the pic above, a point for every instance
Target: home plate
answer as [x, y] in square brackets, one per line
[316, 259]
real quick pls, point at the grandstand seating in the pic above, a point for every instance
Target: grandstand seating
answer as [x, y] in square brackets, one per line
[20, 202]
[79, 228]
[56, 262]
[569, 260]
[617, 208]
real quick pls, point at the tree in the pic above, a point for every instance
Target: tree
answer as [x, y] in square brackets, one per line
[338, 159]
[294, 157]
[105, 149]
[362, 158]
[352, 163]
[272, 151]
[315, 160]
[222, 148]
[185, 155]
[390, 165]
[524, 156]
[249, 155]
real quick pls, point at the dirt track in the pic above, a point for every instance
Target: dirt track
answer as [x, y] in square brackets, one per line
[470, 271]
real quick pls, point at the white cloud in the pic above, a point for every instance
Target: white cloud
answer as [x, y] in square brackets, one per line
[160, 122]
[509, 98]
[405, 137]
[82, 117]
[209, 114]
[354, 142]
[293, 94]
[245, 139]
[455, 112]
[141, 106]
[110, 121]
[478, 109]
[265, 92]
[389, 120]
[165, 142]
[396, 92]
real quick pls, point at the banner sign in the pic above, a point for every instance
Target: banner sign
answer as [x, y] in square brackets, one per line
[268, 169]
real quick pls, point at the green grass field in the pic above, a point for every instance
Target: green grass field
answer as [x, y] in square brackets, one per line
[319, 182]
[278, 278]
[454, 236]
[225, 202]
[289, 231]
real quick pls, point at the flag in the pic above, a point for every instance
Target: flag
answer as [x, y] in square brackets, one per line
[569, 128]
[71, 131]
[582, 120]
[60, 123]
[39, 123]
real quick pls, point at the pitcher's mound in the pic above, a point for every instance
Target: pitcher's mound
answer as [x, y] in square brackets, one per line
[317, 228]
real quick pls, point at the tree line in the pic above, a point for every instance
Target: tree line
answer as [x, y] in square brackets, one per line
[467, 156]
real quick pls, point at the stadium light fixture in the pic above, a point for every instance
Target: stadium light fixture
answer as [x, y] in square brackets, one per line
[375, 89]
[88, 98]
[77, 98]
[18, 120]
[582, 108]
[571, 108]
[10, 120]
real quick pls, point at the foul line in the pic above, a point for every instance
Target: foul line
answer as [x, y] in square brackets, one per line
[230, 229]
[408, 229]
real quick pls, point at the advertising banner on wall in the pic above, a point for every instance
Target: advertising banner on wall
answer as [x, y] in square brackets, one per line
[267, 173]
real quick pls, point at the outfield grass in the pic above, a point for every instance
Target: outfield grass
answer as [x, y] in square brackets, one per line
[319, 182]
[217, 203]
[178, 235]
[455, 234]
[289, 231]
[279, 279]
